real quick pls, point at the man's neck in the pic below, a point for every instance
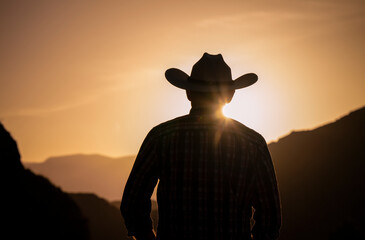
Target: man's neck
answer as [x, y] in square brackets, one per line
[200, 108]
[206, 105]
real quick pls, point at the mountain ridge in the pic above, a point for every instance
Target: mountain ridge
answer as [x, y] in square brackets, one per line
[84, 156]
[320, 173]
[350, 114]
[94, 173]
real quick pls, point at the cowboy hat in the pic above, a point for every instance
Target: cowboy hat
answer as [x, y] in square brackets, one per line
[209, 74]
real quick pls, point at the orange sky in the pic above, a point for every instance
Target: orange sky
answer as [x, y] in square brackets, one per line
[88, 76]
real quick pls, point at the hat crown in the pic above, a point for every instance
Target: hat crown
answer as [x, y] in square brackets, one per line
[211, 68]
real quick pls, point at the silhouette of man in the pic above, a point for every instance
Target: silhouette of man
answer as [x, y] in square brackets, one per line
[212, 170]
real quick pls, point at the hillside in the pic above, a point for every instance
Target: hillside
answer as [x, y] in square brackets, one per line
[321, 180]
[104, 220]
[97, 174]
[32, 207]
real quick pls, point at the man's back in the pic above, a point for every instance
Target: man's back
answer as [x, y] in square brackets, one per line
[212, 170]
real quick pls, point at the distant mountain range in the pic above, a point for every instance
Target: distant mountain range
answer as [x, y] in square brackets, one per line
[320, 174]
[103, 176]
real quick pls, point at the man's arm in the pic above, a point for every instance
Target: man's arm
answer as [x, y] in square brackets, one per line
[136, 202]
[266, 202]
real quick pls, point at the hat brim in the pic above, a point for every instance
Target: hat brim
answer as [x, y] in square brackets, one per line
[180, 79]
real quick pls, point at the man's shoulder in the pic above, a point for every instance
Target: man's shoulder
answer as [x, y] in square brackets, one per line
[168, 126]
[174, 121]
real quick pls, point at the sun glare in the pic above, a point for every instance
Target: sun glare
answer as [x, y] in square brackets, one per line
[224, 111]
[229, 111]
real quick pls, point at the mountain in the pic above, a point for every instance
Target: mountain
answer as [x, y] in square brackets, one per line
[104, 219]
[96, 174]
[321, 180]
[32, 207]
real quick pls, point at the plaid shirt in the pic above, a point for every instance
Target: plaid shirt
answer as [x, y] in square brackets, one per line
[212, 171]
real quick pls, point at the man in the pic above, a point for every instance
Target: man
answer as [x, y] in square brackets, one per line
[212, 170]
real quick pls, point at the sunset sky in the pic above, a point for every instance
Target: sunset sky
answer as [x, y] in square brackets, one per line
[88, 76]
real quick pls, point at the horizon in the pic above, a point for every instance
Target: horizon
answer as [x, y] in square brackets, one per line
[80, 76]
[134, 154]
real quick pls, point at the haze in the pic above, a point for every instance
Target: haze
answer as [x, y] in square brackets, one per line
[88, 76]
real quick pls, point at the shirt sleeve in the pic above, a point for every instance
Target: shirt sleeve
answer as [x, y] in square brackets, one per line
[136, 201]
[266, 202]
